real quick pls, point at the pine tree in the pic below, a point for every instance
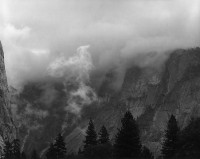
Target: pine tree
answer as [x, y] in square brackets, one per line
[51, 152]
[8, 150]
[127, 141]
[16, 149]
[60, 148]
[91, 136]
[146, 154]
[90, 141]
[189, 141]
[171, 135]
[34, 155]
[103, 136]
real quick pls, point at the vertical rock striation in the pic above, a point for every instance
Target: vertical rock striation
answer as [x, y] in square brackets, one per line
[152, 94]
[7, 128]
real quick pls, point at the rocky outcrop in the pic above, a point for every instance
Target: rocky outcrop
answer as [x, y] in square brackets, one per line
[150, 93]
[7, 128]
[174, 90]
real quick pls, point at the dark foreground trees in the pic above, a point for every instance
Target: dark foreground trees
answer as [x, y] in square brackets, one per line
[103, 136]
[182, 144]
[126, 145]
[16, 149]
[189, 141]
[12, 150]
[171, 138]
[178, 144]
[50, 154]
[91, 136]
[96, 146]
[57, 150]
[127, 141]
[90, 141]
[8, 154]
[60, 147]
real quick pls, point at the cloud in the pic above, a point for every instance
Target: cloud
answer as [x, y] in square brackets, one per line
[75, 70]
[38, 113]
[34, 33]
[83, 96]
[78, 66]
[12, 33]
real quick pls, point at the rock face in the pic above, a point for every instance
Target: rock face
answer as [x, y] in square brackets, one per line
[151, 94]
[153, 97]
[7, 128]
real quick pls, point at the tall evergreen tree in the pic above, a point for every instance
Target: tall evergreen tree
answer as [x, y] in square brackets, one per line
[16, 149]
[91, 136]
[127, 141]
[34, 155]
[51, 152]
[171, 136]
[103, 136]
[189, 141]
[60, 148]
[90, 141]
[8, 154]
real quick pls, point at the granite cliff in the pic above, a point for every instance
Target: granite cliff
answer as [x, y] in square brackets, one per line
[7, 128]
[150, 93]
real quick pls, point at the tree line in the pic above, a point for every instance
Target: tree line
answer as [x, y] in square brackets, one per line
[176, 144]
[127, 144]
[12, 151]
[181, 144]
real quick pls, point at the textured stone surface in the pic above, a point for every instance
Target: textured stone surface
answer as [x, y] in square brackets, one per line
[152, 96]
[7, 128]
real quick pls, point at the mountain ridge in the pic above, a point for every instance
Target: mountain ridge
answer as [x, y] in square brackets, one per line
[151, 95]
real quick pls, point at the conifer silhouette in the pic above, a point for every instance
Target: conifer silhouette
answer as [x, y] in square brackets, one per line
[51, 152]
[8, 154]
[103, 136]
[127, 141]
[91, 135]
[171, 136]
[189, 140]
[90, 141]
[60, 148]
[16, 149]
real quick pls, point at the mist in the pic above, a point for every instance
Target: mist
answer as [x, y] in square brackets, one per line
[37, 33]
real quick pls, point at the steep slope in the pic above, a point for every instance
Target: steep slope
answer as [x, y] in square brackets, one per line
[153, 98]
[7, 128]
[150, 93]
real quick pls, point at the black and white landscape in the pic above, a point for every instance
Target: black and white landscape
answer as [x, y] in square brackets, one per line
[91, 79]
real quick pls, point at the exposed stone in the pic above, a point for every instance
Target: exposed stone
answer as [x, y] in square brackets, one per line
[151, 95]
[7, 128]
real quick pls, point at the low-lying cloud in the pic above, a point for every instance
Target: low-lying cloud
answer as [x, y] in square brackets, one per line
[77, 66]
[75, 70]
[35, 33]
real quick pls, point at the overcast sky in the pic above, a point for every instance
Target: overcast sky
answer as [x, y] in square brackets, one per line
[36, 32]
